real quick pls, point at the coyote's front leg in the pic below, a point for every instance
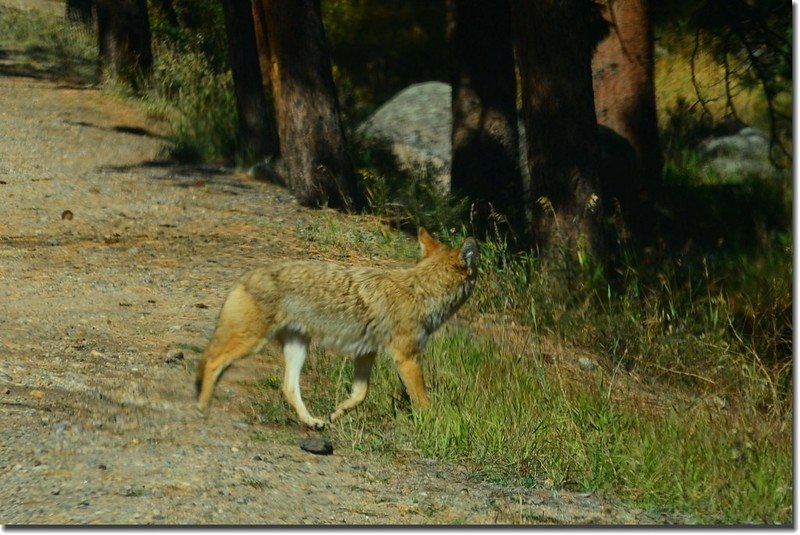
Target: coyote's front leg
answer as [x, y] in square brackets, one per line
[407, 361]
[295, 349]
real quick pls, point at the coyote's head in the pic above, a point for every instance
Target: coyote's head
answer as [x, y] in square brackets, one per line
[449, 276]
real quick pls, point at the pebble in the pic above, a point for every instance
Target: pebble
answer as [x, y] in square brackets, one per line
[38, 394]
[51, 242]
[586, 364]
[60, 426]
[174, 356]
[316, 445]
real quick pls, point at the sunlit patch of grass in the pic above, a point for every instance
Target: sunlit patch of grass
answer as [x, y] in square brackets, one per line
[367, 238]
[43, 45]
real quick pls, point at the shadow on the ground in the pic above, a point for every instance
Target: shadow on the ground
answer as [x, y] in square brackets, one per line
[123, 129]
[185, 175]
[45, 64]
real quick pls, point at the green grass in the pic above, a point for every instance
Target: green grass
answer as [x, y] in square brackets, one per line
[371, 239]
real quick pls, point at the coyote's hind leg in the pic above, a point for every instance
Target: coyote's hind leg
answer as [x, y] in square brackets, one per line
[240, 331]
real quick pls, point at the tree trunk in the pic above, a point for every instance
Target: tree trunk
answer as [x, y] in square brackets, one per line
[124, 39]
[262, 42]
[313, 155]
[485, 164]
[553, 47]
[255, 133]
[80, 11]
[625, 91]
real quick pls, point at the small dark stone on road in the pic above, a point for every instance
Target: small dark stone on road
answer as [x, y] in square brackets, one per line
[316, 445]
[174, 356]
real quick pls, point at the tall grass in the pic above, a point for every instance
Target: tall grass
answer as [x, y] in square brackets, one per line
[199, 103]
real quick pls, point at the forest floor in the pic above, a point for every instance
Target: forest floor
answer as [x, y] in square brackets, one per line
[111, 257]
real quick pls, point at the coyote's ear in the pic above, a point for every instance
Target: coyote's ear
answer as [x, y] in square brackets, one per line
[426, 242]
[469, 255]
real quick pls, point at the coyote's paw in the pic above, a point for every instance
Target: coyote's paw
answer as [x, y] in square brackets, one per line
[315, 423]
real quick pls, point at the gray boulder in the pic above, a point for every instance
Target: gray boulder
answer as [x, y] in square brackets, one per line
[742, 155]
[417, 125]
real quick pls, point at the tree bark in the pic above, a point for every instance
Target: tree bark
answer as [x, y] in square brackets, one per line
[262, 42]
[485, 163]
[124, 39]
[312, 144]
[255, 133]
[553, 47]
[623, 76]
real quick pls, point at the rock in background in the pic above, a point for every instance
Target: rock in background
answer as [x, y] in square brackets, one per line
[739, 156]
[416, 124]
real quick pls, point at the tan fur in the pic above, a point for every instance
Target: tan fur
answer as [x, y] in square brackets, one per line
[359, 311]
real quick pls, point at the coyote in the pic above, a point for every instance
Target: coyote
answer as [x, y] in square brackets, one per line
[353, 310]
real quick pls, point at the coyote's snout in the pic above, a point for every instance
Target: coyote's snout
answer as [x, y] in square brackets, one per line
[357, 311]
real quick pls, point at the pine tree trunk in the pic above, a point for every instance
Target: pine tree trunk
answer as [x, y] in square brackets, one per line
[625, 90]
[553, 49]
[262, 41]
[124, 39]
[255, 133]
[312, 144]
[485, 164]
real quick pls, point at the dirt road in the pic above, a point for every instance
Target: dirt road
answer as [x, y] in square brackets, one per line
[97, 425]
